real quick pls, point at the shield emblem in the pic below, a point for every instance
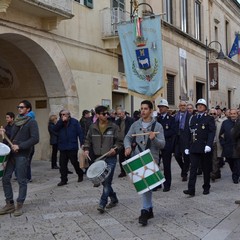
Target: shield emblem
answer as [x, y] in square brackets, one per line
[143, 58]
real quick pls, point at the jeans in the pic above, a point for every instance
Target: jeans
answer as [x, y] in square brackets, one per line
[19, 164]
[107, 184]
[147, 200]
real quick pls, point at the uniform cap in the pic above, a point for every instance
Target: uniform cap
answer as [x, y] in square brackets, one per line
[201, 101]
[163, 102]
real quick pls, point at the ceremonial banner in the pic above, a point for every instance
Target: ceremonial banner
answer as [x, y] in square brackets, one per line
[141, 45]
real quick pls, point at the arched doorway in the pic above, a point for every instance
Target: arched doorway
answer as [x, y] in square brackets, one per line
[34, 68]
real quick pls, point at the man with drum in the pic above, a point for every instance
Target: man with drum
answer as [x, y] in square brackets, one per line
[103, 138]
[149, 136]
[24, 136]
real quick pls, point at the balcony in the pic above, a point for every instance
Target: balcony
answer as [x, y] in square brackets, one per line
[50, 11]
[109, 21]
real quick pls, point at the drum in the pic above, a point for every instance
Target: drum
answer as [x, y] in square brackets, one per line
[98, 172]
[143, 171]
[4, 151]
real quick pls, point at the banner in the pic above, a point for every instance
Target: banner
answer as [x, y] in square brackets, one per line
[213, 76]
[141, 45]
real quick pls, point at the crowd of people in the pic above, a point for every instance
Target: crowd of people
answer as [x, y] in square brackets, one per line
[200, 140]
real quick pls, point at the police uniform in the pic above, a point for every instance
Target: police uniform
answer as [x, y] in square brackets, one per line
[169, 127]
[202, 131]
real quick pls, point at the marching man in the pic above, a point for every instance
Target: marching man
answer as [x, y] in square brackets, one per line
[154, 141]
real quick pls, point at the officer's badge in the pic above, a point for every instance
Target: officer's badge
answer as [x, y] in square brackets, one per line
[203, 127]
[166, 127]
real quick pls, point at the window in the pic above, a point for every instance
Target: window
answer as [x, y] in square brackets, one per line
[88, 3]
[197, 16]
[167, 8]
[120, 64]
[170, 89]
[184, 17]
[80, 1]
[118, 4]
[216, 37]
[227, 34]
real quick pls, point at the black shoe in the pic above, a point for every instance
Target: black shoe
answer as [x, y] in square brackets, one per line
[122, 174]
[143, 219]
[150, 215]
[166, 189]
[112, 204]
[62, 183]
[96, 185]
[235, 181]
[206, 191]
[55, 167]
[188, 192]
[101, 209]
[69, 172]
[184, 179]
[80, 178]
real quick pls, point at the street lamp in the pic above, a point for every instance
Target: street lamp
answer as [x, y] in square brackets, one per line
[220, 56]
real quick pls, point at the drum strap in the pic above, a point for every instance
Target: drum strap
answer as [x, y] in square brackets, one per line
[148, 145]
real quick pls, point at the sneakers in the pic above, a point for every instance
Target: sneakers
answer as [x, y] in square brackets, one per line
[112, 204]
[8, 208]
[62, 183]
[101, 209]
[18, 211]
[145, 215]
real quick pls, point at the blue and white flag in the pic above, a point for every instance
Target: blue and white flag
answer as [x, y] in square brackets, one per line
[142, 55]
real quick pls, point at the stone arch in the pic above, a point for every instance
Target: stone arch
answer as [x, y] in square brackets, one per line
[41, 71]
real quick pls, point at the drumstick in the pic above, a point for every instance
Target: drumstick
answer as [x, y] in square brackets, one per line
[7, 139]
[142, 134]
[104, 155]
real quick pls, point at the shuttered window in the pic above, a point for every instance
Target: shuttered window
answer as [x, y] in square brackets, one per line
[170, 89]
[88, 3]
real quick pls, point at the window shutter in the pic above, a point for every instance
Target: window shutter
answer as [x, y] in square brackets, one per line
[88, 3]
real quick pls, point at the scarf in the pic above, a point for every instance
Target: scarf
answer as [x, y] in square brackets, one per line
[21, 120]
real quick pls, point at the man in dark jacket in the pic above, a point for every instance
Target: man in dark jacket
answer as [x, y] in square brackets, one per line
[226, 137]
[124, 122]
[24, 136]
[69, 132]
[182, 139]
[202, 128]
[103, 138]
[169, 128]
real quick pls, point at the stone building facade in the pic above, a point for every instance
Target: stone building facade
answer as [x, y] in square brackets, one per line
[66, 54]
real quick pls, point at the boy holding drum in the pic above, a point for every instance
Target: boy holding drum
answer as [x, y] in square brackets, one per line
[149, 136]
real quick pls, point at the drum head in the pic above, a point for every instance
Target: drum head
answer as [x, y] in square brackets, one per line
[96, 168]
[4, 149]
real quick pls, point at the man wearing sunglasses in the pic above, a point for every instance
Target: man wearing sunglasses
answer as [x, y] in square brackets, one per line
[24, 136]
[103, 138]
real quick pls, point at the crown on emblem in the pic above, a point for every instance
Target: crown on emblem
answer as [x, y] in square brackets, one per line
[140, 41]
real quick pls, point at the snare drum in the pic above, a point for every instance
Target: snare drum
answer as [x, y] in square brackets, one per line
[4, 151]
[98, 172]
[143, 171]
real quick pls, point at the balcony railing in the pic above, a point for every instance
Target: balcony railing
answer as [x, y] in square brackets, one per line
[110, 18]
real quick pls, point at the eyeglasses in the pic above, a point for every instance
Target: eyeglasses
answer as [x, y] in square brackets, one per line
[63, 114]
[212, 114]
[21, 107]
[104, 113]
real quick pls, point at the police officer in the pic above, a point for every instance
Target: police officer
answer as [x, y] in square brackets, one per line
[169, 128]
[202, 129]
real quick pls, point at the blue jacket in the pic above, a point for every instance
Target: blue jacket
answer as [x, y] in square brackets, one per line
[68, 134]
